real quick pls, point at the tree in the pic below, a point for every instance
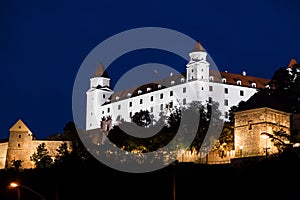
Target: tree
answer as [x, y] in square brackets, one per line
[41, 157]
[62, 154]
[279, 139]
[17, 164]
[142, 118]
[281, 79]
[72, 133]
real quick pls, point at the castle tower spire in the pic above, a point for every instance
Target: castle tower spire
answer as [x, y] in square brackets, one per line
[198, 47]
[198, 67]
[292, 63]
[99, 71]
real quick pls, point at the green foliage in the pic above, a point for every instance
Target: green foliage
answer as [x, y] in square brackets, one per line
[41, 158]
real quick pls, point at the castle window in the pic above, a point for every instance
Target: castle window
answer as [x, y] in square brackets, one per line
[108, 110]
[202, 88]
[161, 96]
[226, 90]
[119, 107]
[210, 88]
[184, 90]
[141, 101]
[241, 93]
[211, 78]
[192, 70]
[225, 102]
[250, 125]
[267, 86]
[19, 127]
[182, 80]
[151, 98]
[253, 85]
[161, 106]
[130, 104]
[19, 145]
[171, 93]
[209, 99]
[128, 94]
[172, 82]
[184, 101]
[90, 124]
[103, 96]
[139, 91]
[91, 113]
[159, 86]
[117, 98]
[19, 136]
[151, 109]
[239, 82]
[130, 114]
[171, 104]
[148, 89]
[226, 115]
[223, 80]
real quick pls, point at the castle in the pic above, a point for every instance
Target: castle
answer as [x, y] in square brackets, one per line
[105, 107]
[21, 144]
[198, 83]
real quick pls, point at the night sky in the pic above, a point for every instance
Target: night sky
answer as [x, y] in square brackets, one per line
[43, 44]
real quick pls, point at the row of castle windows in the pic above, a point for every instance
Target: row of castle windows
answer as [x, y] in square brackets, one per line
[148, 90]
[226, 90]
[170, 105]
[226, 103]
[238, 82]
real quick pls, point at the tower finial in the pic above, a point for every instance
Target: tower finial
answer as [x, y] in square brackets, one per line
[99, 71]
[198, 47]
[292, 62]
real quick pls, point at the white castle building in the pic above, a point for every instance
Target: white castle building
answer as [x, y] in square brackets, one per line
[198, 83]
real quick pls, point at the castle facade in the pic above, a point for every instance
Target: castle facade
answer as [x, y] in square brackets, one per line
[198, 83]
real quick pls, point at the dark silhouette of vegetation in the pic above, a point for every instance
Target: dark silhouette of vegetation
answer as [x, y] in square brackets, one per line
[41, 157]
[142, 118]
[180, 120]
[17, 164]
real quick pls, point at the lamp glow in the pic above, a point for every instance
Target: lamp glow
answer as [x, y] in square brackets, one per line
[13, 184]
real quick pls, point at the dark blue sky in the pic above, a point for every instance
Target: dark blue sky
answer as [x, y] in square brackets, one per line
[43, 43]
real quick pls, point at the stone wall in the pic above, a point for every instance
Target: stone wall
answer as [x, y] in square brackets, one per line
[3, 152]
[249, 125]
[22, 144]
[29, 148]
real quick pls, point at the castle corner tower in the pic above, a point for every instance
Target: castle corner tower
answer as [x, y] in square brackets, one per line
[197, 67]
[98, 94]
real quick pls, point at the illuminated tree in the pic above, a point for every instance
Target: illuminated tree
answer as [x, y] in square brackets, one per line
[63, 154]
[41, 157]
[17, 164]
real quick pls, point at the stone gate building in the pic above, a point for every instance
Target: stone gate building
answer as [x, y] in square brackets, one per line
[21, 144]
